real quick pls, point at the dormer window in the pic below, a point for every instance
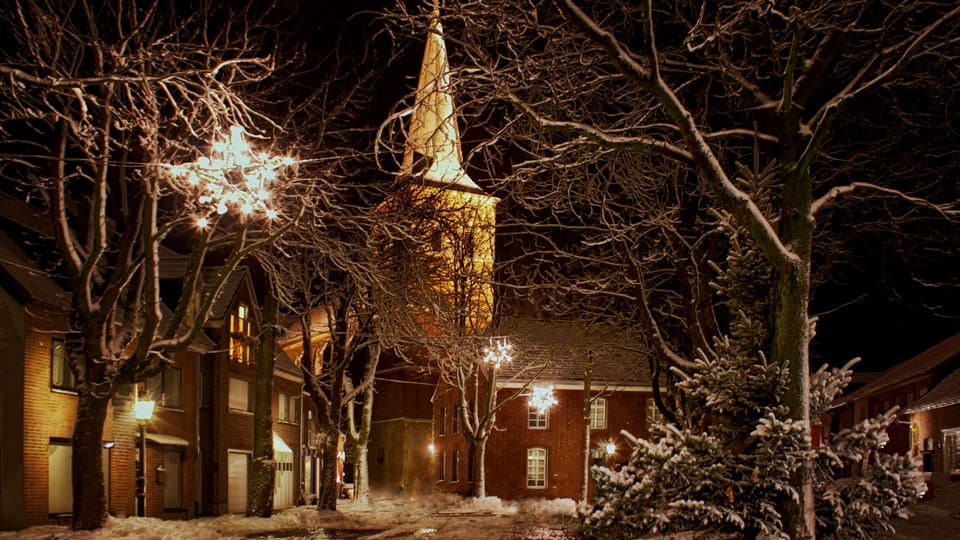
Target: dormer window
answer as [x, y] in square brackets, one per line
[240, 333]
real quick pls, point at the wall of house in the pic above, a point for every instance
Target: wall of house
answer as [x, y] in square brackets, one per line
[12, 330]
[289, 430]
[181, 422]
[506, 451]
[50, 414]
[930, 426]
[900, 396]
[401, 431]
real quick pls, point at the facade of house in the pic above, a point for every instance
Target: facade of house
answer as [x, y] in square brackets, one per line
[926, 419]
[935, 427]
[599, 391]
[197, 442]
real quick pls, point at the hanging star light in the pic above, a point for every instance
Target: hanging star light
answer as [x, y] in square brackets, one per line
[542, 398]
[233, 177]
[498, 354]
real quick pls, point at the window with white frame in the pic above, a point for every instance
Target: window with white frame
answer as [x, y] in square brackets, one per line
[598, 413]
[289, 408]
[172, 485]
[536, 468]
[536, 418]
[165, 386]
[61, 376]
[240, 398]
[951, 450]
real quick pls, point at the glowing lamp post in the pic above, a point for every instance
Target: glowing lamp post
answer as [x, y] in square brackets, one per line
[142, 411]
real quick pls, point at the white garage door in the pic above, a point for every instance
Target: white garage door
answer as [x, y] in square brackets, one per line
[237, 464]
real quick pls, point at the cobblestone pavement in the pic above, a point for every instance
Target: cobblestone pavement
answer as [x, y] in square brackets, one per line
[937, 517]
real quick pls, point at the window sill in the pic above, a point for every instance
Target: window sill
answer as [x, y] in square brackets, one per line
[240, 412]
[64, 390]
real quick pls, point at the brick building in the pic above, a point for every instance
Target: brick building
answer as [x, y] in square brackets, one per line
[533, 454]
[924, 388]
[198, 440]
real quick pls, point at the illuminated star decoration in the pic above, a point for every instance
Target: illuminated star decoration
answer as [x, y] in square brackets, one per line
[542, 398]
[498, 354]
[233, 177]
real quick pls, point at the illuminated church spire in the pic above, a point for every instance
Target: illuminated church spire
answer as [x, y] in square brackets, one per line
[433, 140]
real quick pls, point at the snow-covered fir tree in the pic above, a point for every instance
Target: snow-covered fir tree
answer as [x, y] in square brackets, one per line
[729, 466]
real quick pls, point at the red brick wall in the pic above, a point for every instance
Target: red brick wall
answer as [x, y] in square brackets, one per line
[47, 413]
[931, 423]
[506, 453]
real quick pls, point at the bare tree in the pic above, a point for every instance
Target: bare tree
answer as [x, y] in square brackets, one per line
[637, 129]
[97, 99]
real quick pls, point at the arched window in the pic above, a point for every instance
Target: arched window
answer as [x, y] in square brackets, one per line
[537, 468]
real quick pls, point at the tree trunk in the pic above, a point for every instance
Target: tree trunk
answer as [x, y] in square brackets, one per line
[791, 346]
[260, 488]
[361, 483]
[329, 485]
[89, 499]
[479, 448]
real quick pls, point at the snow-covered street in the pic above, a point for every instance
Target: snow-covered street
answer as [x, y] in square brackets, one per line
[441, 517]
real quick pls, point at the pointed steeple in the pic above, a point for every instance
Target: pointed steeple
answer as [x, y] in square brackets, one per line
[433, 139]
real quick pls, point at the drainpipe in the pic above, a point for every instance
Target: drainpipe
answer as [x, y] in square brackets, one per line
[303, 456]
[196, 440]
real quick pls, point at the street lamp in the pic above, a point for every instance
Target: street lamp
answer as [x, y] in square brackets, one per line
[142, 411]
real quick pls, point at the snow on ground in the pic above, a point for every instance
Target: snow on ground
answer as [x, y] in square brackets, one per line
[441, 517]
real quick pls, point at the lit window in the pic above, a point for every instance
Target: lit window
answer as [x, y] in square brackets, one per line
[537, 468]
[240, 399]
[536, 419]
[61, 376]
[240, 333]
[172, 461]
[289, 409]
[598, 413]
[165, 388]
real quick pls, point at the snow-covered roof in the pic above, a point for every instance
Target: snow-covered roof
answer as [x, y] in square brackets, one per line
[922, 364]
[943, 395]
[566, 349]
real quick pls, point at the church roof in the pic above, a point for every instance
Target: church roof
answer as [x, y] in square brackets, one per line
[433, 138]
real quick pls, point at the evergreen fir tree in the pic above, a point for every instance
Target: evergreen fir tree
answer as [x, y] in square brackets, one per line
[727, 467]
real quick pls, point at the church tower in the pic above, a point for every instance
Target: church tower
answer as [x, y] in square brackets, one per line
[461, 241]
[466, 216]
